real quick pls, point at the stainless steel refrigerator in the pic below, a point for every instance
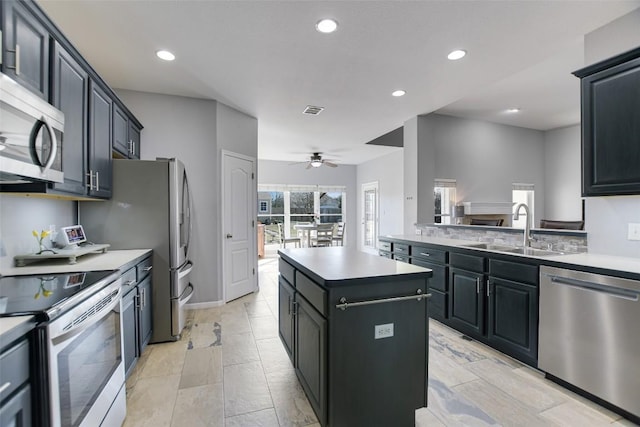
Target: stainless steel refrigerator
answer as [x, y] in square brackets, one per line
[150, 207]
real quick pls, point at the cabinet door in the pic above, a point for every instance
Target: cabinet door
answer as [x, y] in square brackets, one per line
[100, 106]
[26, 56]
[285, 315]
[121, 132]
[129, 330]
[466, 302]
[70, 95]
[146, 314]
[16, 412]
[513, 318]
[134, 137]
[611, 131]
[311, 355]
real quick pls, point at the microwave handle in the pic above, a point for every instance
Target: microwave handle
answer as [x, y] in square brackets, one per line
[54, 143]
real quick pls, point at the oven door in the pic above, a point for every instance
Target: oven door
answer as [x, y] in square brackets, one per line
[85, 361]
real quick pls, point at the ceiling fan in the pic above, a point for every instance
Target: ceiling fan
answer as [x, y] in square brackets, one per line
[316, 160]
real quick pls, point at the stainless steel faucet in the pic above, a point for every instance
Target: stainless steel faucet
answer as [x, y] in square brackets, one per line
[527, 227]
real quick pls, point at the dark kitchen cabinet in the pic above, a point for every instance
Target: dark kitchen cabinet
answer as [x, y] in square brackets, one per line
[136, 312]
[25, 48]
[15, 393]
[286, 296]
[610, 93]
[70, 95]
[311, 354]
[466, 301]
[435, 259]
[100, 131]
[126, 135]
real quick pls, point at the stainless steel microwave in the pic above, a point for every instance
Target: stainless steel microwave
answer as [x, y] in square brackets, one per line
[31, 133]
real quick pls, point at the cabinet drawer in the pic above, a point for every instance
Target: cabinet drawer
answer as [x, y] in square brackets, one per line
[15, 368]
[144, 268]
[313, 293]
[385, 254]
[440, 274]
[401, 258]
[384, 246]
[514, 271]
[129, 281]
[287, 271]
[427, 253]
[401, 248]
[467, 262]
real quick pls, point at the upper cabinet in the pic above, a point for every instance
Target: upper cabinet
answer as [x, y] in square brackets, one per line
[25, 48]
[610, 92]
[98, 126]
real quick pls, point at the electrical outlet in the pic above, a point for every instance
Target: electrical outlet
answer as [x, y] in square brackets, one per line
[634, 231]
[383, 331]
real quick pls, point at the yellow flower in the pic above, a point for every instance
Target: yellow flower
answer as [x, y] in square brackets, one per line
[35, 234]
[44, 234]
[46, 292]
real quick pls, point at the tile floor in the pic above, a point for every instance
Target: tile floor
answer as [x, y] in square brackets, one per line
[230, 369]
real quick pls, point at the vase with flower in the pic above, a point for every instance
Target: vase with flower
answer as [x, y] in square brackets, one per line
[40, 237]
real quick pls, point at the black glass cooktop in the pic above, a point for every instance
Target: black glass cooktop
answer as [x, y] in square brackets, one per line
[35, 295]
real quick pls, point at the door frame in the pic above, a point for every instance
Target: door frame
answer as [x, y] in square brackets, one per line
[253, 239]
[368, 186]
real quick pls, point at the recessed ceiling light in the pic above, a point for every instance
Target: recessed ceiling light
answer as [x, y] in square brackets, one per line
[165, 55]
[398, 93]
[326, 26]
[513, 110]
[457, 54]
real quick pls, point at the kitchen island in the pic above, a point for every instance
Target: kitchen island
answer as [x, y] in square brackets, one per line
[355, 326]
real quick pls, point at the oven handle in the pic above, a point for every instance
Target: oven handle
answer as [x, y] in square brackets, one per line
[89, 321]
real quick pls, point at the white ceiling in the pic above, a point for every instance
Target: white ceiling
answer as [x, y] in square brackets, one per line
[266, 59]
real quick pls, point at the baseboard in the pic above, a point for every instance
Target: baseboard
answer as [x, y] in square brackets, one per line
[198, 305]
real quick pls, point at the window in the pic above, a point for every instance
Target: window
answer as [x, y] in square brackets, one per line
[523, 193]
[292, 204]
[444, 193]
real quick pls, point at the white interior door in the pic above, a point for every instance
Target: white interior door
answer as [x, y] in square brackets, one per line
[370, 217]
[239, 199]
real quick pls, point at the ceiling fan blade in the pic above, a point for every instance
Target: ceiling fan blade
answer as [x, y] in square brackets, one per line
[298, 163]
[331, 165]
[308, 166]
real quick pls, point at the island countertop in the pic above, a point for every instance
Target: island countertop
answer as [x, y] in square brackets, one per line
[333, 266]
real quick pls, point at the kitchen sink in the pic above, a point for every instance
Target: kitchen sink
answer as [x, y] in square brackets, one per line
[514, 250]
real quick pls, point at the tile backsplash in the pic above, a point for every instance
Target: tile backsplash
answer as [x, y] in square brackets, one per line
[564, 241]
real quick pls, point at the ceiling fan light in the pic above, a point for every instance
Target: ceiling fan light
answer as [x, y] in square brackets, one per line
[316, 163]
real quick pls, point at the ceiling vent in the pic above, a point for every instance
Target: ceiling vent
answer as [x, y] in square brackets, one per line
[312, 110]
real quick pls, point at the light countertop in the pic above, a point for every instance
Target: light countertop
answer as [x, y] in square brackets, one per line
[110, 260]
[339, 264]
[12, 328]
[590, 260]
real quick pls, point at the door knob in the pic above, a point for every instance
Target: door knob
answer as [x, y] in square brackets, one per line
[229, 236]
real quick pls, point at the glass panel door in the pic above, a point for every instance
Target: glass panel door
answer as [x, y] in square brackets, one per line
[370, 216]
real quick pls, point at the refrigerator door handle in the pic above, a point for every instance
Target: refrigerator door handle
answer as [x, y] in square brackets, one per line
[186, 269]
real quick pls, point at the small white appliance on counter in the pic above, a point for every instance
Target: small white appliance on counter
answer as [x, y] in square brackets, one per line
[150, 207]
[70, 237]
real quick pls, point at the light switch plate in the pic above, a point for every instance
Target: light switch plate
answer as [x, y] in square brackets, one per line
[383, 331]
[634, 231]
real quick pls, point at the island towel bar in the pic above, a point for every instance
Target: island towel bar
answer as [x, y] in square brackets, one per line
[344, 304]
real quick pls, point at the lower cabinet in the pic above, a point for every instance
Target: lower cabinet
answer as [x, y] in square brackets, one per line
[136, 312]
[15, 389]
[286, 295]
[466, 301]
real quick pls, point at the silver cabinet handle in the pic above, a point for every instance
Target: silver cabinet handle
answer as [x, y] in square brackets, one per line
[148, 268]
[344, 304]
[137, 301]
[477, 285]
[5, 386]
[129, 145]
[488, 288]
[130, 282]
[90, 185]
[423, 254]
[97, 181]
[133, 148]
[17, 62]
[144, 297]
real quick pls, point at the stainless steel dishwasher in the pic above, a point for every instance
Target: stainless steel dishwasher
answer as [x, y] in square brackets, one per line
[589, 334]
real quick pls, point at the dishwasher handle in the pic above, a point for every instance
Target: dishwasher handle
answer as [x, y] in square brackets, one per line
[595, 287]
